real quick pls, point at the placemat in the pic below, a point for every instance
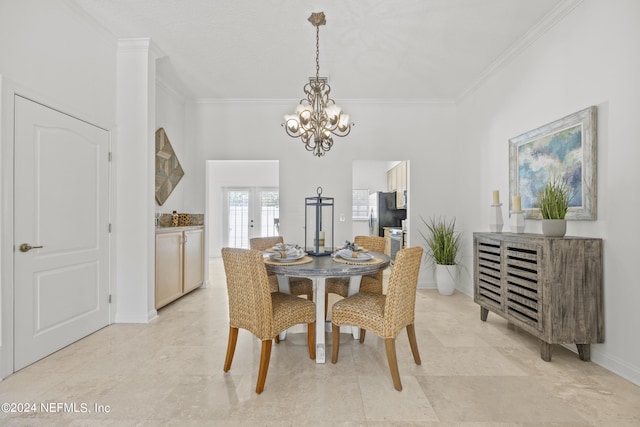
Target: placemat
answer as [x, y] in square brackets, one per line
[373, 260]
[303, 260]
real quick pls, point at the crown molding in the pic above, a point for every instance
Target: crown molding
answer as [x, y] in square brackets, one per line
[362, 101]
[549, 21]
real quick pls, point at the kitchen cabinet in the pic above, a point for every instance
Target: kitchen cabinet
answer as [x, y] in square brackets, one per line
[548, 286]
[397, 181]
[179, 263]
[387, 241]
[392, 179]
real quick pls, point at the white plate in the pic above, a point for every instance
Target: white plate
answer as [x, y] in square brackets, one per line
[289, 258]
[348, 254]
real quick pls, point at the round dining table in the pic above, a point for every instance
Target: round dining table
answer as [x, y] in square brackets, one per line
[319, 268]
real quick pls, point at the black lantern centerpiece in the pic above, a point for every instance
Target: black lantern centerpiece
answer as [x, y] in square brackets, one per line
[318, 224]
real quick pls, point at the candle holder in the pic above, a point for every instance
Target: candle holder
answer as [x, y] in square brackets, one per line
[517, 222]
[496, 218]
[318, 224]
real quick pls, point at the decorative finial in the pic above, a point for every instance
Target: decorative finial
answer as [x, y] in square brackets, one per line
[317, 19]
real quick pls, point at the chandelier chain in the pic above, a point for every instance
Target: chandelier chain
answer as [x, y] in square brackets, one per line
[317, 53]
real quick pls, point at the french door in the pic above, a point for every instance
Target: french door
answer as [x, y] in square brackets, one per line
[250, 212]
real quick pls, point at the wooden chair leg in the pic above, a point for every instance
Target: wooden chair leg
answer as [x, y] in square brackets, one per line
[362, 334]
[390, 346]
[277, 339]
[411, 332]
[335, 342]
[231, 348]
[311, 340]
[265, 356]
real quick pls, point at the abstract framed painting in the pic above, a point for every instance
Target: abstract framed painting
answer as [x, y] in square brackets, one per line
[564, 149]
[168, 169]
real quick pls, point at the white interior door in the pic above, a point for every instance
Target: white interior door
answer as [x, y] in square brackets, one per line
[61, 210]
[251, 212]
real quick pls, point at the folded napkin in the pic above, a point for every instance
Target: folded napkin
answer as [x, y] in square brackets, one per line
[290, 252]
[347, 253]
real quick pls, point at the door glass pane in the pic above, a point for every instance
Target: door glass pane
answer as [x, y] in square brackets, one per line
[269, 213]
[238, 217]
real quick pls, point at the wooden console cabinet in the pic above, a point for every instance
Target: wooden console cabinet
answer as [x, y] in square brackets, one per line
[179, 263]
[550, 287]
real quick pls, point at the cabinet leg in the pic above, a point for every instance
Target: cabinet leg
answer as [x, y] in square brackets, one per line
[483, 314]
[545, 351]
[584, 351]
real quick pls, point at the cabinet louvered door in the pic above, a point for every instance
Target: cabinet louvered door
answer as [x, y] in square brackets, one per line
[524, 283]
[489, 288]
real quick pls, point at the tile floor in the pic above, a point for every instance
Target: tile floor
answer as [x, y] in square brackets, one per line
[169, 372]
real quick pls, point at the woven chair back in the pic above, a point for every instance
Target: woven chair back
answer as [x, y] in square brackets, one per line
[374, 244]
[400, 304]
[248, 289]
[264, 243]
[371, 243]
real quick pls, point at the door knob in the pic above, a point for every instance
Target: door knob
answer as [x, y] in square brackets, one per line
[25, 247]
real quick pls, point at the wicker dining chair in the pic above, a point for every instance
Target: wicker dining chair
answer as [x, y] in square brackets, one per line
[369, 283]
[384, 315]
[297, 285]
[252, 306]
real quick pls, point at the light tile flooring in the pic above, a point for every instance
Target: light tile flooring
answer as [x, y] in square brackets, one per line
[169, 372]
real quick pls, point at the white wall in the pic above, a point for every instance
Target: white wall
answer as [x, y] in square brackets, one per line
[51, 54]
[220, 130]
[170, 115]
[372, 175]
[589, 58]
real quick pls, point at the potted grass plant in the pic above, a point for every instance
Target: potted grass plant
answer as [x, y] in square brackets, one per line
[443, 247]
[553, 201]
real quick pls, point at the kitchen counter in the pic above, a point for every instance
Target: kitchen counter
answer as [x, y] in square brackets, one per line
[160, 230]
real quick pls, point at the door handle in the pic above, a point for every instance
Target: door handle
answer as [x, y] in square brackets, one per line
[25, 247]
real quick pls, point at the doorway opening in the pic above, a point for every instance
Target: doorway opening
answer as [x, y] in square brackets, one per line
[243, 201]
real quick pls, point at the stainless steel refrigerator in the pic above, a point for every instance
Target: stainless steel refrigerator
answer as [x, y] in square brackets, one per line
[383, 213]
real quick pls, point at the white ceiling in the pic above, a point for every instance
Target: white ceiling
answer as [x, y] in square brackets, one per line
[369, 49]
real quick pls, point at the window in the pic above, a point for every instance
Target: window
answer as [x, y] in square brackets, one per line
[360, 203]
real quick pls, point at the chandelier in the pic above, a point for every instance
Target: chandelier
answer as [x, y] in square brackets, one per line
[317, 118]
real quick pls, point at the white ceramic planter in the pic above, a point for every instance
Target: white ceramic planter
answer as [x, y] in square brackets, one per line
[554, 227]
[446, 278]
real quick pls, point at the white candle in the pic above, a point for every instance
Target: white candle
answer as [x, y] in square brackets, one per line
[321, 242]
[496, 197]
[517, 203]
